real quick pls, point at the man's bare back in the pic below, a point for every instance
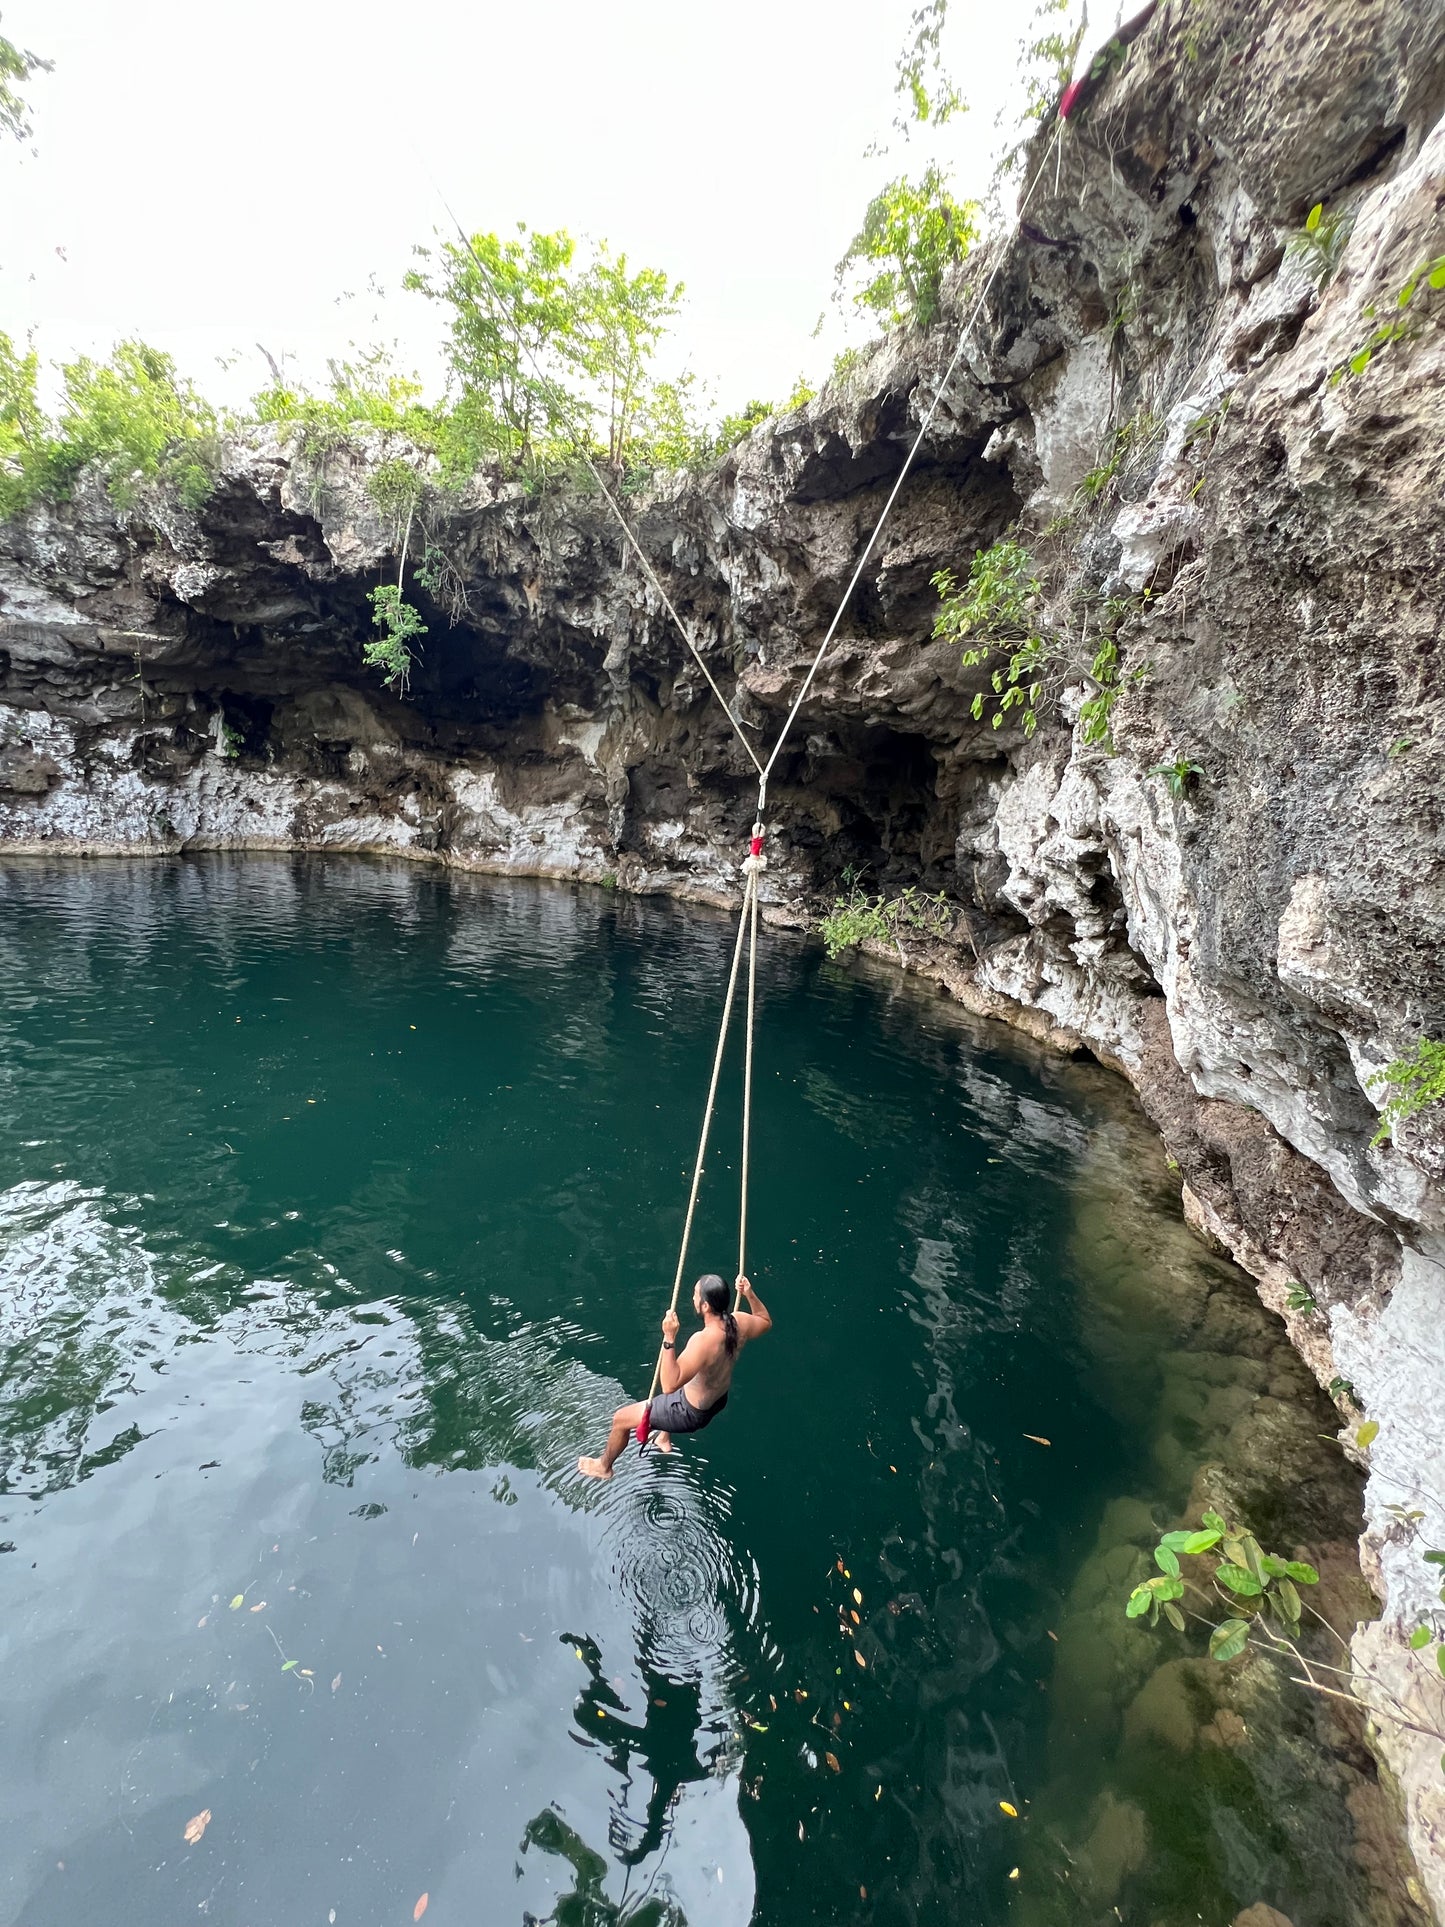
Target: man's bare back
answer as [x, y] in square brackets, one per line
[696, 1380]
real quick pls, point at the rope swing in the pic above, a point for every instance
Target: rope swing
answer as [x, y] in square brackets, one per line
[755, 862]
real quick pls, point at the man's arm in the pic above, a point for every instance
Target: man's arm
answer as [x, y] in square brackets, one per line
[678, 1366]
[757, 1319]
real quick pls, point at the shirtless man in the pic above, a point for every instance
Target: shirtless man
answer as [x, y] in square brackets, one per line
[705, 1364]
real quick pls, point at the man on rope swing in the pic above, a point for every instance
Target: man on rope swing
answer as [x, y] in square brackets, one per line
[705, 1363]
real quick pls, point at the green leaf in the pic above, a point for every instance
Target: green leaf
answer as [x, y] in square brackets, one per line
[1239, 1581]
[240, 1600]
[1302, 1572]
[1435, 1558]
[1437, 276]
[1177, 1541]
[1229, 1640]
[1174, 1616]
[1140, 1601]
[1274, 1568]
[1312, 219]
[287, 1667]
[1367, 1433]
[1234, 1551]
[1167, 1561]
[1253, 1557]
[1212, 1522]
[1200, 1541]
[1290, 1600]
[1421, 1636]
[1440, 1657]
[1406, 294]
[1360, 362]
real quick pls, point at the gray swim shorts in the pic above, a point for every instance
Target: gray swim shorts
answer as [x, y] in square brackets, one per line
[673, 1412]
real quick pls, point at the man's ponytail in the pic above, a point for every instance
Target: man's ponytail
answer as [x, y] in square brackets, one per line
[718, 1299]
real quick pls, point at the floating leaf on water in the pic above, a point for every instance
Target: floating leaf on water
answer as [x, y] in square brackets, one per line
[854, 1617]
[1013, 1873]
[1367, 1433]
[306, 1673]
[1004, 1806]
[259, 1607]
[420, 1907]
[1034, 1438]
[197, 1825]
[800, 1693]
[857, 1597]
[859, 1657]
[336, 1682]
[839, 1564]
[202, 1620]
[287, 1667]
[238, 1601]
[879, 1794]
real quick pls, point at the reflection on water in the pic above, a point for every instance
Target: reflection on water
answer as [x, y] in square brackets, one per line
[338, 1210]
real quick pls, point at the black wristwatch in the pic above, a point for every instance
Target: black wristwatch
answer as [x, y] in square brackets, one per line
[668, 1346]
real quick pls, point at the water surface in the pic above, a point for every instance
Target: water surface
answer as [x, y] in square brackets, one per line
[338, 1207]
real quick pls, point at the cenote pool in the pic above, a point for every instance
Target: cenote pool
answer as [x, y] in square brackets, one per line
[338, 1206]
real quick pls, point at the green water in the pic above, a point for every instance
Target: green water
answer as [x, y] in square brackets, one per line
[338, 1206]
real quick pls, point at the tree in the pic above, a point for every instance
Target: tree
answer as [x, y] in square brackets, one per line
[138, 419]
[16, 67]
[622, 320]
[515, 349]
[911, 235]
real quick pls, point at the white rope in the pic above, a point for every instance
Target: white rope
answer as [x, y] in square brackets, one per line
[757, 864]
[748, 916]
[749, 898]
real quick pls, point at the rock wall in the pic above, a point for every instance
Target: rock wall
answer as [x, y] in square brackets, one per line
[1151, 402]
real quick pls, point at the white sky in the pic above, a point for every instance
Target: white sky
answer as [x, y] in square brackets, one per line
[211, 177]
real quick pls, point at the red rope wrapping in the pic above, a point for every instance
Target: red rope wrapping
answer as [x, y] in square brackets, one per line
[757, 848]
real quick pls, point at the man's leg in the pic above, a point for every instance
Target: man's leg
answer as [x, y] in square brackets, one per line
[623, 1420]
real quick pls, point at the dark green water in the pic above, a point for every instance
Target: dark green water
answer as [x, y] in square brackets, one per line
[338, 1207]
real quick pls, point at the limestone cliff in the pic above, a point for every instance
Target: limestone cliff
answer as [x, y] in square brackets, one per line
[1151, 399]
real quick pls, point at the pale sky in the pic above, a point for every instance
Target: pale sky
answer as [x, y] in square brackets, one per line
[208, 178]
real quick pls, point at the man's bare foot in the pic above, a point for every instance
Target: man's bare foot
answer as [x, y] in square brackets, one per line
[593, 1469]
[663, 1441]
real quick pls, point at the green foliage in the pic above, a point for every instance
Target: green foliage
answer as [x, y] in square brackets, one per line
[998, 604]
[922, 85]
[1298, 1298]
[1320, 243]
[132, 416]
[400, 624]
[1415, 1081]
[16, 67]
[859, 918]
[547, 351]
[1178, 775]
[911, 235]
[1133, 437]
[1400, 323]
[1254, 1587]
[1342, 1388]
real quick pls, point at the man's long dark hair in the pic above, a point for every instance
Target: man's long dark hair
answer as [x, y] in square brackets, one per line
[716, 1296]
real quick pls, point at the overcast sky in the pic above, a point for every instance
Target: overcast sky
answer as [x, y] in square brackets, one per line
[213, 177]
